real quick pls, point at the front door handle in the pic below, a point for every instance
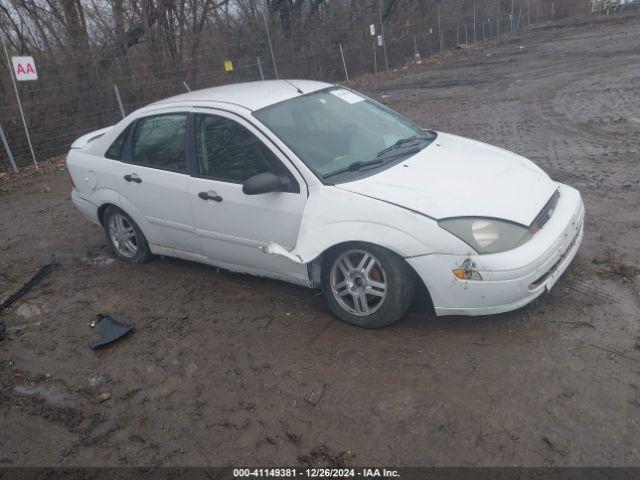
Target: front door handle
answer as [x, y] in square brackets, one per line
[133, 178]
[210, 196]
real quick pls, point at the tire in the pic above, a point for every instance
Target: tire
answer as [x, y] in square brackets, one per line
[125, 237]
[384, 273]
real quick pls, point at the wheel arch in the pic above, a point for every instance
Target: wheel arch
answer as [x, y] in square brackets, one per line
[108, 198]
[102, 209]
[422, 296]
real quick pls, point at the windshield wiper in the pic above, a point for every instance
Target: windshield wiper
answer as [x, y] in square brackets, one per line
[405, 143]
[403, 147]
[352, 167]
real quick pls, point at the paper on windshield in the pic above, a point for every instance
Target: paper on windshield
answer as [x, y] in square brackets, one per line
[347, 96]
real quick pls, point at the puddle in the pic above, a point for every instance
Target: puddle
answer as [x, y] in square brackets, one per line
[29, 310]
[102, 261]
[53, 395]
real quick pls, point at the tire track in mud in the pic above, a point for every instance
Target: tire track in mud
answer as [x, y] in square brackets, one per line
[575, 103]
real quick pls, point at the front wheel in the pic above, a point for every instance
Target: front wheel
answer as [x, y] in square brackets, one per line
[367, 285]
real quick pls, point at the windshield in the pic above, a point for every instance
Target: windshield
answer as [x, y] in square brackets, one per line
[338, 132]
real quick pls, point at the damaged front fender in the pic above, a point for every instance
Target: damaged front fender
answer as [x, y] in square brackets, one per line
[334, 216]
[273, 248]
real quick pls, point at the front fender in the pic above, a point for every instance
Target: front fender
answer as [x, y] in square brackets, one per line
[312, 242]
[333, 216]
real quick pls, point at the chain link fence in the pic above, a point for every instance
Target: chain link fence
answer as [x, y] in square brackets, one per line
[74, 96]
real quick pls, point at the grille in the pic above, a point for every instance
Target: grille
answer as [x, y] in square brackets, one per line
[546, 212]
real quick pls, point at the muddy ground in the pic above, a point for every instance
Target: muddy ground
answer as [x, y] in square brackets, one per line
[230, 369]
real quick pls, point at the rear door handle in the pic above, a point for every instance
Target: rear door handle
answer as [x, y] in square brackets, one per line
[133, 178]
[210, 196]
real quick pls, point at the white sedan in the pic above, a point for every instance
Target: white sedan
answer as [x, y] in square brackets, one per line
[318, 185]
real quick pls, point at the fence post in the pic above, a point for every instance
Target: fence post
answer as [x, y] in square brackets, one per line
[384, 40]
[344, 64]
[8, 150]
[118, 100]
[273, 58]
[511, 16]
[15, 88]
[375, 58]
[260, 68]
[538, 9]
[457, 37]
[518, 18]
[416, 54]
[439, 31]
[474, 23]
[466, 37]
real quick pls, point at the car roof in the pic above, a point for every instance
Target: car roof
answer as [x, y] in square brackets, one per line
[250, 95]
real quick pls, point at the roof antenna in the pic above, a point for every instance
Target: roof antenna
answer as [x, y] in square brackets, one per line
[296, 87]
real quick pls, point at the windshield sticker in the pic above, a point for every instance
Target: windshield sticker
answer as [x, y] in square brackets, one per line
[347, 96]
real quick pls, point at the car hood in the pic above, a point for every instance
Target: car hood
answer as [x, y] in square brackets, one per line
[456, 176]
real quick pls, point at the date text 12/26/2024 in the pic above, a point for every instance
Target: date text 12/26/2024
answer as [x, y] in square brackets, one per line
[315, 472]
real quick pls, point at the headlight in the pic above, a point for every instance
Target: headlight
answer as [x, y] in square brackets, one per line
[487, 235]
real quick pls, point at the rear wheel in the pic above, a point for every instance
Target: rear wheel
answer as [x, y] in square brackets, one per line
[125, 236]
[367, 285]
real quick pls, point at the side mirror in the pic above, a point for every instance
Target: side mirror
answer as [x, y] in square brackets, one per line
[265, 183]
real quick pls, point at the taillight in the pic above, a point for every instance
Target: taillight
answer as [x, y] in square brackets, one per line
[73, 184]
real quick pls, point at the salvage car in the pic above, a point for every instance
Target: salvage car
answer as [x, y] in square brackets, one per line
[318, 185]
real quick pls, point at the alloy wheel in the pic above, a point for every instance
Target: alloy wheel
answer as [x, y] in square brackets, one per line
[123, 235]
[358, 282]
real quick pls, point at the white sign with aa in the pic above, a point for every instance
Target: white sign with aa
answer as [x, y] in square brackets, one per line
[24, 68]
[372, 29]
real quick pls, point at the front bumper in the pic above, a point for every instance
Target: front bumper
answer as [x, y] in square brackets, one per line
[511, 279]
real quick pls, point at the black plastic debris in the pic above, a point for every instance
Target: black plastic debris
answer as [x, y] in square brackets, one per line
[30, 284]
[110, 330]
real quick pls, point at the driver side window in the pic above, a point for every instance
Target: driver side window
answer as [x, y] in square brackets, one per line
[227, 151]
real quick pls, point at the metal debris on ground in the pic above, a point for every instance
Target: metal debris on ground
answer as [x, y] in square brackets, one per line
[110, 330]
[30, 284]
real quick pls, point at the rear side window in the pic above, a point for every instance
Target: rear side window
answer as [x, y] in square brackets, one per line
[159, 142]
[116, 149]
[229, 152]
